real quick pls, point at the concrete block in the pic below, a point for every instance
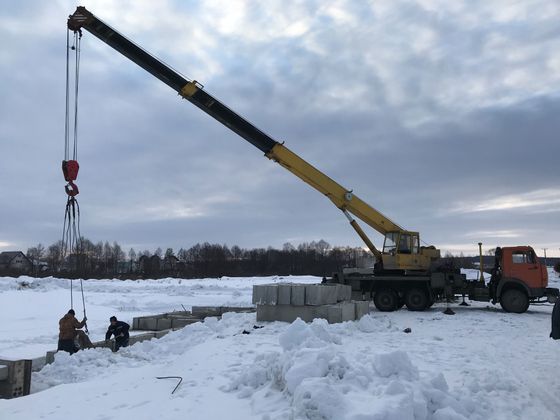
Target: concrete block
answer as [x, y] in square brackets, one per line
[284, 294]
[265, 294]
[334, 314]
[159, 334]
[163, 324]
[341, 312]
[344, 292]
[183, 322]
[285, 313]
[18, 378]
[103, 344]
[38, 363]
[204, 311]
[348, 311]
[297, 296]
[238, 309]
[49, 358]
[147, 323]
[321, 311]
[321, 294]
[4, 369]
[140, 337]
[362, 308]
[266, 313]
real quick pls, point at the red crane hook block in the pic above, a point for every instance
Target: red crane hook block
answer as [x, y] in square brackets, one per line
[71, 189]
[70, 170]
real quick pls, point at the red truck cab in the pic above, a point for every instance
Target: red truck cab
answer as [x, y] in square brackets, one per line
[518, 278]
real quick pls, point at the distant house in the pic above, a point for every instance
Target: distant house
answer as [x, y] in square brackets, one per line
[15, 261]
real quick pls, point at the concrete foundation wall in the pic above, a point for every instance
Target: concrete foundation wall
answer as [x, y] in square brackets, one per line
[180, 319]
[338, 312]
[287, 302]
[300, 294]
[17, 378]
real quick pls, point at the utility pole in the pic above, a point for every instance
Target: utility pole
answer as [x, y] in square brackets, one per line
[544, 249]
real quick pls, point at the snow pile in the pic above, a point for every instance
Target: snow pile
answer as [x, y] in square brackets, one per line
[101, 362]
[321, 380]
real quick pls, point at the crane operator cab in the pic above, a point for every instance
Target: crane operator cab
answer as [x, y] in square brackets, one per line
[402, 250]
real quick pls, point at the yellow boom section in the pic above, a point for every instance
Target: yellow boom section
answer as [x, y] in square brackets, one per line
[340, 196]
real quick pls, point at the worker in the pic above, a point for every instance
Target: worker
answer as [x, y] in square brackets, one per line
[120, 330]
[555, 333]
[70, 329]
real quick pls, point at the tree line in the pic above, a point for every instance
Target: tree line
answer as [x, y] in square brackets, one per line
[103, 259]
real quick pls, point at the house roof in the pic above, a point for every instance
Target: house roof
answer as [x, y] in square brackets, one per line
[7, 256]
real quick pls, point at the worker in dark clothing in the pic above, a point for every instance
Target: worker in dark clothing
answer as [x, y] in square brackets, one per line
[120, 330]
[69, 328]
[555, 333]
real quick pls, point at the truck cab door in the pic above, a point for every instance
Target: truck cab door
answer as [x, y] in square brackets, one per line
[525, 266]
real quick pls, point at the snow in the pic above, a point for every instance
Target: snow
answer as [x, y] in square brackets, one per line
[481, 363]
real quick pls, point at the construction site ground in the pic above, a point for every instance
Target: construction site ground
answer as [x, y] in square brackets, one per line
[480, 363]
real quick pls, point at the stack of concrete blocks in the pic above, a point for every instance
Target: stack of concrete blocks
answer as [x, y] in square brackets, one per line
[180, 319]
[289, 301]
[173, 320]
[15, 378]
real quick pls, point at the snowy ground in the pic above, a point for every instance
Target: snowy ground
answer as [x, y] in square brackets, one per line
[481, 363]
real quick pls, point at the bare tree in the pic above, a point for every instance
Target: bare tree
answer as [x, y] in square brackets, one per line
[54, 256]
[36, 252]
[182, 254]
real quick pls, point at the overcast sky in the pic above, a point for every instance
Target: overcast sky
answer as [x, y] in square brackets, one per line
[442, 115]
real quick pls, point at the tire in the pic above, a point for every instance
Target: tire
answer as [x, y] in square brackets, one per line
[514, 300]
[385, 300]
[416, 300]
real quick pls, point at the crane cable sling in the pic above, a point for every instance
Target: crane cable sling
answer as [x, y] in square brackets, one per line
[71, 245]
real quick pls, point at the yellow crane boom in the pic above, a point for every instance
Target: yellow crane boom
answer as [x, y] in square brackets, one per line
[401, 249]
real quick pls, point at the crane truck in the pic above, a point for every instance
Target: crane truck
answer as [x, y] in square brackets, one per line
[404, 273]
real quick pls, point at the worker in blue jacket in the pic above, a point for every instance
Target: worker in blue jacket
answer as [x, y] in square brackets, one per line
[120, 330]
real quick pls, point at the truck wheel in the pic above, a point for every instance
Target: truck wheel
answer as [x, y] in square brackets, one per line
[416, 300]
[385, 300]
[514, 300]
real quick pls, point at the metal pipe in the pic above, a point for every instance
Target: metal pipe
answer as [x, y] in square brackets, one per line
[481, 280]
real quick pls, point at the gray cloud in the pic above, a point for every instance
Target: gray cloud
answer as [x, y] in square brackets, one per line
[437, 113]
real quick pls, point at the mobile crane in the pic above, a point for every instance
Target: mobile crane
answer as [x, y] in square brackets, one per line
[404, 272]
